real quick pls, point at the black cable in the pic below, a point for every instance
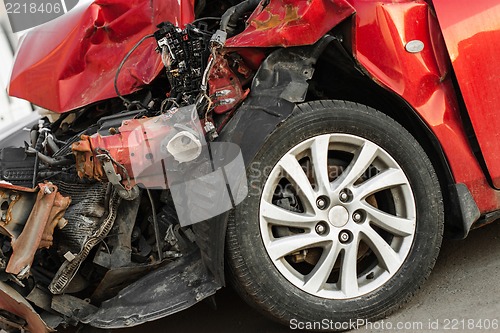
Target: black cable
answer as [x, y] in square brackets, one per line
[125, 100]
[156, 227]
[206, 18]
[230, 18]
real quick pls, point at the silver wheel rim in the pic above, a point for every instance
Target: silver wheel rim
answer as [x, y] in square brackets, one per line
[350, 227]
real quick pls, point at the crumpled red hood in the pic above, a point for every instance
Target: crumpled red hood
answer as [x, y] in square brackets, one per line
[72, 61]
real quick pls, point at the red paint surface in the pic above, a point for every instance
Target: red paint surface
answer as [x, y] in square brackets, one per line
[225, 86]
[138, 147]
[291, 23]
[472, 33]
[72, 61]
[382, 29]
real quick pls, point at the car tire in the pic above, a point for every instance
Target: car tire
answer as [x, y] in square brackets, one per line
[326, 239]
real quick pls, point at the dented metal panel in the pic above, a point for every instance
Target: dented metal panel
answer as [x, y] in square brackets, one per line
[71, 61]
[472, 34]
[291, 23]
[383, 29]
[13, 302]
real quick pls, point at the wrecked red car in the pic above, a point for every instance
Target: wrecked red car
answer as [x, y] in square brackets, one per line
[312, 153]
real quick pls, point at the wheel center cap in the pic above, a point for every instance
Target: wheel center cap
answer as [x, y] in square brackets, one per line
[338, 216]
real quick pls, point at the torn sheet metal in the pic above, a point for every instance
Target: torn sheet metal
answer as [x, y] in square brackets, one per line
[47, 212]
[288, 23]
[11, 301]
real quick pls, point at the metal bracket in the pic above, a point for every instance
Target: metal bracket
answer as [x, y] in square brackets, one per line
[115, 178]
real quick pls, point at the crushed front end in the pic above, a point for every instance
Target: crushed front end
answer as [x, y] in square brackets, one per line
[97, 208]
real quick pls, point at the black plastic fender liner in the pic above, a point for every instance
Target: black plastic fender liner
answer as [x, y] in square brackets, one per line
[165, 291]
[280, 83]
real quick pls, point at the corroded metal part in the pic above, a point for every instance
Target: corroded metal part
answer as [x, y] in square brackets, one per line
[56, 218]
[86, 165]
[11, 301]
[15, 207]
[45, 215]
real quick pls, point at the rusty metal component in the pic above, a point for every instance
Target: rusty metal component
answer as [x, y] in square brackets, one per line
[86, 165]
[95, 162]
[56, 218]
[12, 302]
[45, 215]
[136, 147]
[15, 207]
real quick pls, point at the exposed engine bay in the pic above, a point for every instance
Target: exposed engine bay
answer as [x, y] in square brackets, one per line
[86, 208]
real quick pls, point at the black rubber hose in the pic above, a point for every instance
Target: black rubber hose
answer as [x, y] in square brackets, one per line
[50, 160]
[230, 18]
[199, 7]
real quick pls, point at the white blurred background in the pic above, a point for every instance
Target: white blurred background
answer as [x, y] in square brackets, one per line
[11, 109]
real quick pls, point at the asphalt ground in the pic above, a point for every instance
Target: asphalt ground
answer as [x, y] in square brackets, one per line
[461, 295]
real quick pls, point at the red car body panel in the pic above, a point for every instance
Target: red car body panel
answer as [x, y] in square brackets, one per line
[76, 66]
[72, 61]
[285, 23]
[383, 28]
[472, 34]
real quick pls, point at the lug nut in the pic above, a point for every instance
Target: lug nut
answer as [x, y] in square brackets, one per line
[345, 196]
[321, 228]
[322, 202]
[358, 217]
[344, 237]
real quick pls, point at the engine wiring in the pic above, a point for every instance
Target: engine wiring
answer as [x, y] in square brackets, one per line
[210, 18]
[126, 101]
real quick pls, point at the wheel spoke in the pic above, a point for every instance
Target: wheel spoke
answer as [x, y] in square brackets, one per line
[279, 216]
[319, 152]
[348, 276]
[388, 258]
[298, 178]
[358, 166]
[396, 225]
[384, 180]
[318, 277]
[286, 245]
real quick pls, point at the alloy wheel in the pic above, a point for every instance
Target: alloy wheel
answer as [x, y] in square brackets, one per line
[337, 216]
